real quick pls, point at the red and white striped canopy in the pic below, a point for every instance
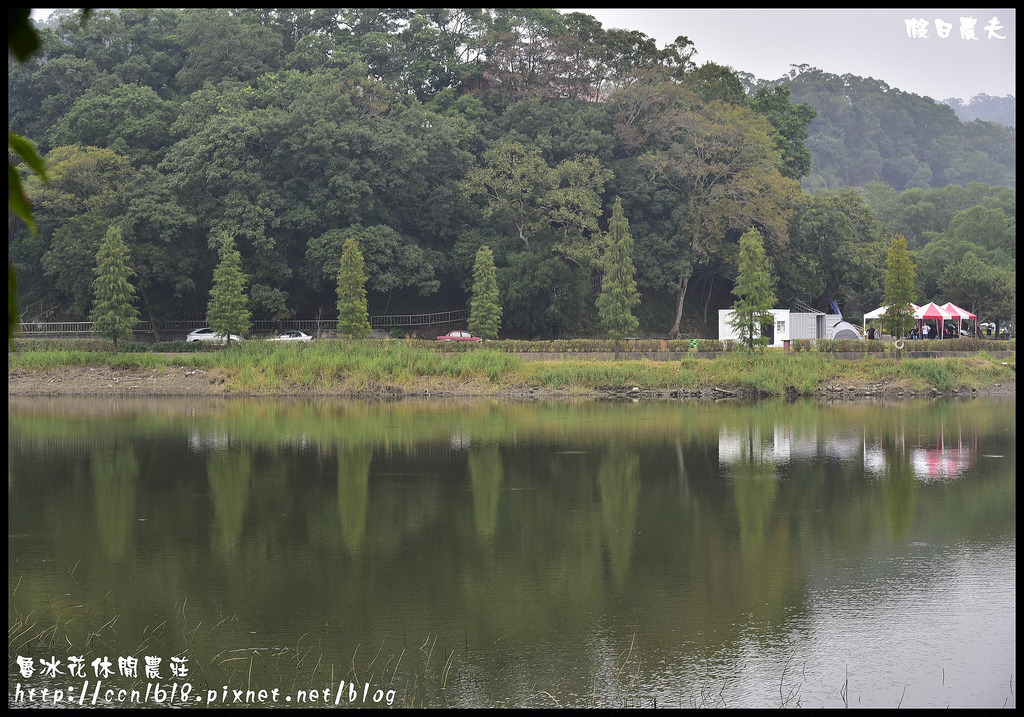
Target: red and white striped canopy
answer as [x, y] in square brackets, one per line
[931, 310]
[957, 312]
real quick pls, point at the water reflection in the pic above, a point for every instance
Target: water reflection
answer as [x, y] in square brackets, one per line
[489, 551]
[353, 494]
[485, 474]
[229, 474]
[618, 482]
[114, 472]
[944, 462]
[945, 456]
[938, 450]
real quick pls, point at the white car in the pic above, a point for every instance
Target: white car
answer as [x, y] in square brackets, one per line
[207, 334]
[293, 336]
[459, 336]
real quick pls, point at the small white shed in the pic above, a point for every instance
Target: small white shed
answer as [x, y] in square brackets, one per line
[788, 325]
[780, 331]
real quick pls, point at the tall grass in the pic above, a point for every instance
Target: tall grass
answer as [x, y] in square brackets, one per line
[355, 366]
[42, 360]
[360, 365]
[774, 373]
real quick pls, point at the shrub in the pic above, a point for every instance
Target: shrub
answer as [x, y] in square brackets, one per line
[134, 347]
[709, 345]
[177, 347]
[801, 344]
[645, 345]
[973, 344]
[841, 346]
[927, 346]
[510, 345]
[451, 347]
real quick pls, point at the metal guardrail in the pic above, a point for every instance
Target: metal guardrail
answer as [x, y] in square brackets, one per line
[318, 326]
[443, 317]
[42, 328]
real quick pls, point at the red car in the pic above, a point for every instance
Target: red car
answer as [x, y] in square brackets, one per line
[459, 336]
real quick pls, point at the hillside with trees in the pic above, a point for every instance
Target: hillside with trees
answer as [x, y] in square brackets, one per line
[425, 134]
[866, 131]
[1001, 110]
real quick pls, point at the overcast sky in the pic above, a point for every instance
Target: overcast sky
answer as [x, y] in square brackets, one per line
[867, 43]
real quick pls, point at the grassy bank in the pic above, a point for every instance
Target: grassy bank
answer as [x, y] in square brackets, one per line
[381, 366]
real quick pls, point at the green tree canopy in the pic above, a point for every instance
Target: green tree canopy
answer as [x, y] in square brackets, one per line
[753, 290]
[426, 133]
[989, 234]
[114, 311]
[790, 122]
[521, 192]
[722, 160]
[981, 288]
[485, 306]
[222, 47]
[353, 318]
[228, 311]
[836, 250]
[128, 119]
[619, 295]
[900, 288]
[393, 261]
[86, 192]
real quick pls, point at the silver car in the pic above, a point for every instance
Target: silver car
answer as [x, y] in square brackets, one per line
[207, 334]
[292, 336]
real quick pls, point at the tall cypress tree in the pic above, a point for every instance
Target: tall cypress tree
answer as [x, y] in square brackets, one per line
[899, 291]
[484, 307]
[618, 286]
[113, 311]
[228, 311]
[754, 289]
[353, 318]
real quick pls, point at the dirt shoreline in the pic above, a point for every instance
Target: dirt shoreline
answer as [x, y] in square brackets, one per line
[179, 382]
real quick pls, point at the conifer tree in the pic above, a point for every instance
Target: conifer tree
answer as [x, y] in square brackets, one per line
[353, 317]
[484, 306]
[754, 289]
[899, 291]
[227, 311]
[618, 286]
[113, 312]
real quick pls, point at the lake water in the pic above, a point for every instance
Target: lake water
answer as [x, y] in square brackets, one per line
[492, 553]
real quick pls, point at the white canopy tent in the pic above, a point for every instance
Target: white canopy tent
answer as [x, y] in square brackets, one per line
[879, 313]
[931, 311]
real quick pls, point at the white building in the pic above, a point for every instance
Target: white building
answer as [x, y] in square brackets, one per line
[787, 326]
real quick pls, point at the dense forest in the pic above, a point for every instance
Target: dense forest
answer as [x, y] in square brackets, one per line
[865, 131]
[427, 133]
